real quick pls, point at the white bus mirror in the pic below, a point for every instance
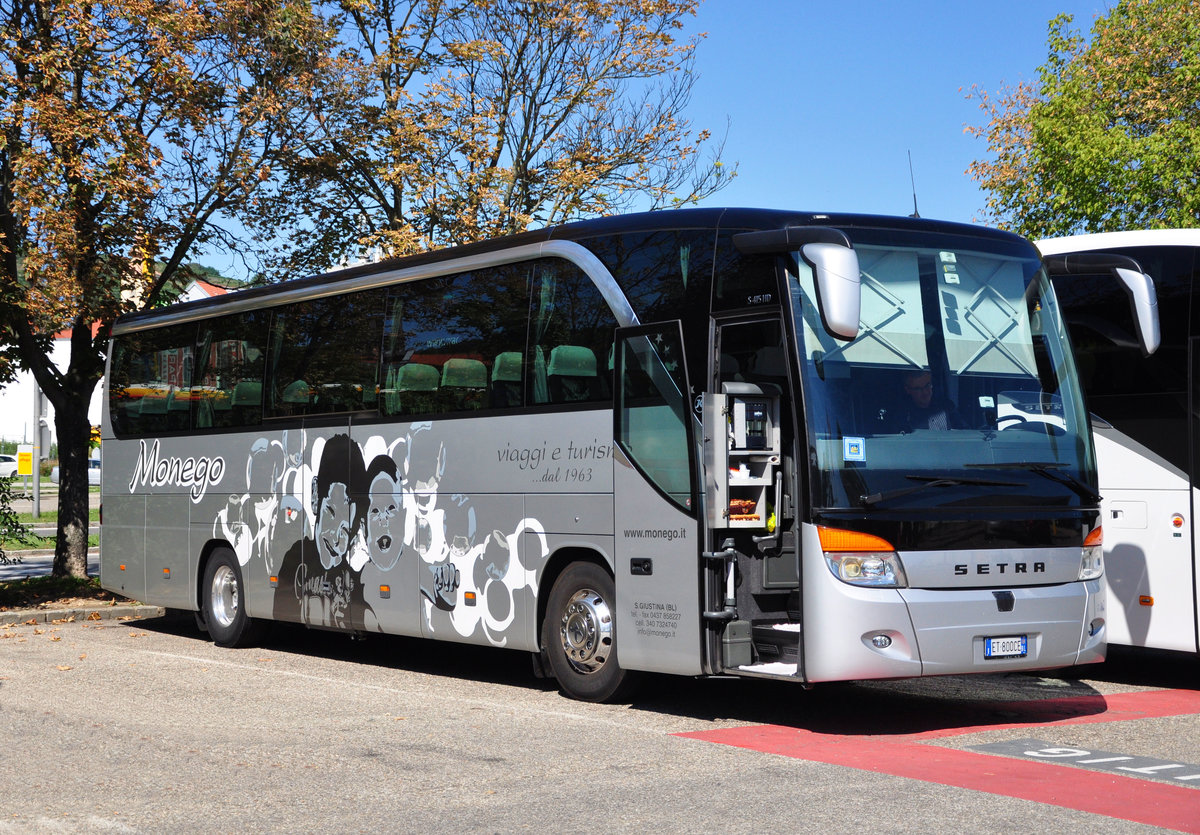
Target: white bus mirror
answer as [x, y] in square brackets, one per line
[1143, 301]
[1139, 286]
[832, 257]
[838, 285]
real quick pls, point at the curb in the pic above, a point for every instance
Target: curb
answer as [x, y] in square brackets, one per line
[78, 614]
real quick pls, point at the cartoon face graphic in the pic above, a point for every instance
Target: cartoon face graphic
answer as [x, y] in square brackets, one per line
[385, 534]
[334, 516]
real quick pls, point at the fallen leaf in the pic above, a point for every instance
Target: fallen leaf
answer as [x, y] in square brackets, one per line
[56, 637]
[64, 667]
[94, 616]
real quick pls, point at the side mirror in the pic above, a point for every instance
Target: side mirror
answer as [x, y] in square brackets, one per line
[1139, 286]
[838, 286]
[1143, 301]
[834, 261]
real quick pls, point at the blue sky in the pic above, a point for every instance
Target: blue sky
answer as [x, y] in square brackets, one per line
[826, 100]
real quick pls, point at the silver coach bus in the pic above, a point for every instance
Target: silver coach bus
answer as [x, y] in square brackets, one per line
[704, 442]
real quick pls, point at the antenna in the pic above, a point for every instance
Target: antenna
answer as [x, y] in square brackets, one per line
[913, 180]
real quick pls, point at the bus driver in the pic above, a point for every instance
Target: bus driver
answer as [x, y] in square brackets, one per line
[921, 410]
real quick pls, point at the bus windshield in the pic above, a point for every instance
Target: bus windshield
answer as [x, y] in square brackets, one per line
[959, 390]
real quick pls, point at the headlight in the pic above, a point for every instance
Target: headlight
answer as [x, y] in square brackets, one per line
[1091, 563]
[879, 570]
[862, 559]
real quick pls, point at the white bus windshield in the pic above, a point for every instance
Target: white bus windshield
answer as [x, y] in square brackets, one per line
[958, 391]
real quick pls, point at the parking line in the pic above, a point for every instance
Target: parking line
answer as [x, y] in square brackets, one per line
[910, 756]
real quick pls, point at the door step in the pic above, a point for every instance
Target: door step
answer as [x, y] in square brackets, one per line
[776, 643]
[772, 670]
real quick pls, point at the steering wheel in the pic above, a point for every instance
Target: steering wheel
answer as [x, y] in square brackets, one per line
[1017, 419]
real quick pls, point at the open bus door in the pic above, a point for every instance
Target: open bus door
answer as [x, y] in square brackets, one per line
[655, 504]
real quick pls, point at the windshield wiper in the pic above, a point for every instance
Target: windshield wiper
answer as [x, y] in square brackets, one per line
[1048, 470]
[928, 481]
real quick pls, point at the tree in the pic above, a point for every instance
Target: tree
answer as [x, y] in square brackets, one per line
[128, 130]
[1109, 137]
[466, 119]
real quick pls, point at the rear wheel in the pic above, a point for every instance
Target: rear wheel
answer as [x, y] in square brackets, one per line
[225, 603]
[579, 635]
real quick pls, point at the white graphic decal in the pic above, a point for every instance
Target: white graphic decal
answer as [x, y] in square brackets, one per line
[317, 512]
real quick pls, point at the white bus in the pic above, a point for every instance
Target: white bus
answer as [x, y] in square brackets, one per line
[705, 442]
[1144, 403]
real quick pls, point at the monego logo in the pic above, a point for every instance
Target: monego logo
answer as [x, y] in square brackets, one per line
[196, 473]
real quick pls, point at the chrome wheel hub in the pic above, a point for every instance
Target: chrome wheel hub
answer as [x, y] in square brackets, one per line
[586, 629]
[224, 595]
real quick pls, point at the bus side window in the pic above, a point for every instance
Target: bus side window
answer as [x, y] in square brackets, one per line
[571, 327]
[152, 381]
[230, 369]
[324, 355]
[453, 344]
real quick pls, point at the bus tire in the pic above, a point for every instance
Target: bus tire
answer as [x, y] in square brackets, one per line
[579, 635]
[224, 603]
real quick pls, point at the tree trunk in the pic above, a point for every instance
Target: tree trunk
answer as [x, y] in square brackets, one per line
[73, 430]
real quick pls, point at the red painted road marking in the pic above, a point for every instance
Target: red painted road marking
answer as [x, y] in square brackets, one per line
[906, 755]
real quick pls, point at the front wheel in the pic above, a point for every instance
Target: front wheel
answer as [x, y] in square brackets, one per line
[224, 603]
[579, 635]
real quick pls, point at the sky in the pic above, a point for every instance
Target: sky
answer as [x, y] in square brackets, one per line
[825, 101]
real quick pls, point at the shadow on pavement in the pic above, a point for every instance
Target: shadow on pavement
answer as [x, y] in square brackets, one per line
[856, 708]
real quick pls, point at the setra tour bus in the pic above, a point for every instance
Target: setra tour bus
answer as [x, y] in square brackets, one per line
[702, 442]
[1138, 367]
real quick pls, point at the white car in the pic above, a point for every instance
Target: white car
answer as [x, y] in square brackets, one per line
[93, 472]
[8, 466]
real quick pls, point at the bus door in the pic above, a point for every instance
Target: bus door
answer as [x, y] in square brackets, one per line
[753, 601]
[655, 506]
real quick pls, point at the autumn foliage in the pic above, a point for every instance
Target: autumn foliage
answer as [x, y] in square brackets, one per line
[460, 120]
[1109, 136]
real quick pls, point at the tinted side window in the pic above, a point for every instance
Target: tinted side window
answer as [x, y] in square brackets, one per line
[151, 381]
[571, 336]
[228, 385]
[325, 355]
[666, 275]
[455, 343]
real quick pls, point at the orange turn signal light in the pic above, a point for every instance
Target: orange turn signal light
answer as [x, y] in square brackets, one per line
[836, 539]
[1096, 537]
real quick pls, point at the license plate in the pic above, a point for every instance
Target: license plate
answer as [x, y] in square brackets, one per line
[1014, 646]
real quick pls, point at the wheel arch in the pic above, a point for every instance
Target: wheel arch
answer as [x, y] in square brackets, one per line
[555, 565]
[206, 552]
